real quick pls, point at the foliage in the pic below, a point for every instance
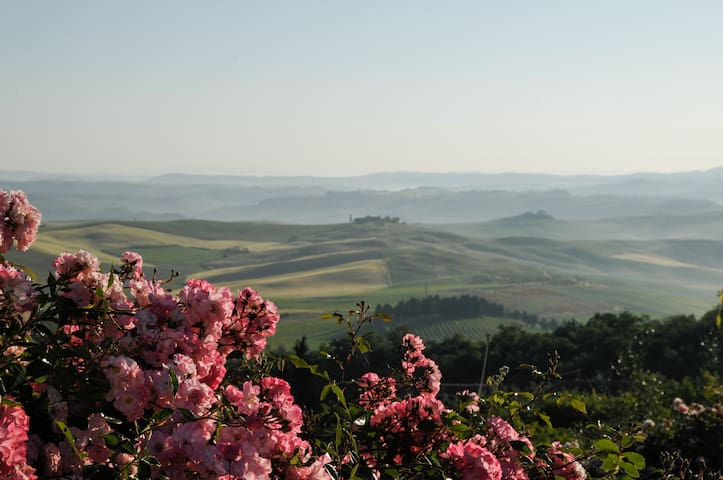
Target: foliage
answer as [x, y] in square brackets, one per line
[457, 307]
[688, 441]
[464, 306]
[611, 365]
[110, 375]
[394, 424]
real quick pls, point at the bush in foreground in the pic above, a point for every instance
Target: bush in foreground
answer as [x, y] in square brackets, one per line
[109, 375]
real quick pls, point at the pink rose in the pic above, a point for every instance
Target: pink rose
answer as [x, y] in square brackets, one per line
[19, 221]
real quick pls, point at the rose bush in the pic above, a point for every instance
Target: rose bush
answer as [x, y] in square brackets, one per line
[109, 375]
[396, 426]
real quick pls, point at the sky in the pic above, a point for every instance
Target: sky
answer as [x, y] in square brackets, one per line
[342, 88]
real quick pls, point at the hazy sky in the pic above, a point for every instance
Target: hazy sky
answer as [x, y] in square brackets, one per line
[351, 87]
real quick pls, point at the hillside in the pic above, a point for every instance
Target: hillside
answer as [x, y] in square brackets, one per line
[312, 269]
[695, 225]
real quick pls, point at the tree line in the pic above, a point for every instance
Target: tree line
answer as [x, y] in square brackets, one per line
[457, 308]
[599, 354]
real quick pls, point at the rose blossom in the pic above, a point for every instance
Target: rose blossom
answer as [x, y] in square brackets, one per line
[474, 461]
[19, 221]
[14, 425]
[16, 291]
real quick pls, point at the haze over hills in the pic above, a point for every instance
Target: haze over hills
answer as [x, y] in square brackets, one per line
[688, 182]
[414, 197]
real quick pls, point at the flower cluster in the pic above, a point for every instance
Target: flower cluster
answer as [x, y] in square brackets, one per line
[19, 221]
[564, 463]
[474, 460]
[16, 292]
[695, 409]
[692, 430]
[59, 458]
[497, 454]
[167, 361]
[131, 378]
[405, 415]
[14, 424]
[407, 421]
[262, 439]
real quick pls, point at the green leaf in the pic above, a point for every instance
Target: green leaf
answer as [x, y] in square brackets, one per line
[325, 392]
[99, 293]
[52, 284]
[187, 414]
[383, 317]
[281, 364]
[719, 320]
[526, 395]
[391, 473]
[578, 405]
[521, 447]
[144, 469]
[112, 440]
[337, 439]
[299, 362]
[161, 414]
[127, 447]
[611, 463]
[606, 445]
[459, 429]
[339, 317]
[217, 433]
[339, 394]
[630, 469]
[174, 381]
[10, 403]
[316, 370]
[545, 419]
[46, 327]
[69, 437]
[636, 459]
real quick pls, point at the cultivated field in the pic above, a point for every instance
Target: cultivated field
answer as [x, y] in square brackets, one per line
[308, 270]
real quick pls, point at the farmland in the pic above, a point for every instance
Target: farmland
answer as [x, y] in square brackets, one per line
[308, 270]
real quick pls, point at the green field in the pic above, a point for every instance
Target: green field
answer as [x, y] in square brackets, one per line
[308, 270]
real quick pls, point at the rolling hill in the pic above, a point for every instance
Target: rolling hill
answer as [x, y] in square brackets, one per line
[312, 269]
[414, 197]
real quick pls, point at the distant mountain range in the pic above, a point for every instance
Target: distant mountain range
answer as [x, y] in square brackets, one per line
[413, 197]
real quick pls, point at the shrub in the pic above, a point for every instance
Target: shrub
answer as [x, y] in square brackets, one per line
[109, 375]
